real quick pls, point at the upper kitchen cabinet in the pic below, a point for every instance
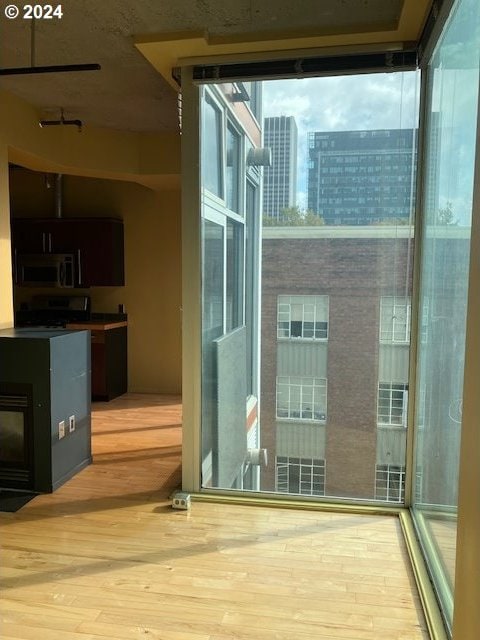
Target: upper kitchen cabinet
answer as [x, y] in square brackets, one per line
[96, 244]
[101, 257]
[35, 236]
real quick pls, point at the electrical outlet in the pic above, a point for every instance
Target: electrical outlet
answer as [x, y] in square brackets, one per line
[71, 424]
[181, 500]
[61, 429]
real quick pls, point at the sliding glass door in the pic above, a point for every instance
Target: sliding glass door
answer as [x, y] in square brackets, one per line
[452, 78]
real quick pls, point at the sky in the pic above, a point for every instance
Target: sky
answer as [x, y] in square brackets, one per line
[342, 103]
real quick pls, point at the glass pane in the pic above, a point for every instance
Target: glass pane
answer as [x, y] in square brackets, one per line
[336, 283]
[336, 240]
[234, 275]
[232, 173]
[251, 283]
[212, 147]
[452, 105]
[230, 344]
[212, 328]
[12, 436]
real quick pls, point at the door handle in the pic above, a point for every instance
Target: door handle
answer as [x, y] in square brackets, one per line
[43, 242]
[79, 256]
[61, 274]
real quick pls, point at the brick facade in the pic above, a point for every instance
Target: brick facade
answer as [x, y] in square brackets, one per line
[354, 273]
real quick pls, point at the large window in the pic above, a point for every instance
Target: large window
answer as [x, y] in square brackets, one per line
[303, 317]
[302, 398]
[315, 282]
[229, 292]
[452, 86]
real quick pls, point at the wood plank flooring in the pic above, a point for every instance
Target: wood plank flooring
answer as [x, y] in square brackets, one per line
[106, 557]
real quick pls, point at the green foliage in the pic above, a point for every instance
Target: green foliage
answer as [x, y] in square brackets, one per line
[442, 217]
[392, 222]
[445, 215]
[294, 217]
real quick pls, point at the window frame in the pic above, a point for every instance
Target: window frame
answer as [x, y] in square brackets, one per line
[301, 338]
[391, 471]
[210, 98]
[283, 464]
[303, 388]
[399, 302]
[390, 423]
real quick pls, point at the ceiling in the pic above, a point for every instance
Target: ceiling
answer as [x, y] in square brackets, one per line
[128, 93]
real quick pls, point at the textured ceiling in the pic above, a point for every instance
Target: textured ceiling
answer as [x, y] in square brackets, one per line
[128, 93]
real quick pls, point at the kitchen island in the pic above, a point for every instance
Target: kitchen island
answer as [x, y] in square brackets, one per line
[109, 356]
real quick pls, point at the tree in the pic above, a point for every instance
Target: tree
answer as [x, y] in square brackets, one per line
[294, 217]
[387, 222]
[445, 215]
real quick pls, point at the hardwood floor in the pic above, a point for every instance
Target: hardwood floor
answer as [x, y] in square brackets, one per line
[106, 557]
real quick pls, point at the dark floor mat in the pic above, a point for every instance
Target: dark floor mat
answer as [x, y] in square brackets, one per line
[14, 500]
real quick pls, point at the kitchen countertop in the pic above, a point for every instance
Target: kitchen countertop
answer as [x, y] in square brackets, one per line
[96, 325]
[43, 333]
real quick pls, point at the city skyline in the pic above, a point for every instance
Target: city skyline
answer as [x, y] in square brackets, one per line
[341, 104]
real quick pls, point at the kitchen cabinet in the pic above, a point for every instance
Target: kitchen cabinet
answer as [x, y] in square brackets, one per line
[96, 243]
[109, 357]
[37, 236]
[99, 243]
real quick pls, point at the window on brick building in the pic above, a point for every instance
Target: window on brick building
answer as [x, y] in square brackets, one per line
[395, 319]
[392, 403]
[302, 317]
[389, 482]
[305, 476]
[302, 398]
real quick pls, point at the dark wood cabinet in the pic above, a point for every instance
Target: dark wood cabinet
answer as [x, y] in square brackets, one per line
[109, 363]
[96, 243]
[101, 256]
[109, 358]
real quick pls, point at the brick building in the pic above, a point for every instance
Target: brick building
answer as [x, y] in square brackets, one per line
[335, 337]
[335, 346]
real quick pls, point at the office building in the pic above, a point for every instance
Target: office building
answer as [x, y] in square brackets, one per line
[361, 177]
[280, 179]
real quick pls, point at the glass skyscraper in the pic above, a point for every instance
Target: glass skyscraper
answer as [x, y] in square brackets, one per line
[361, 177]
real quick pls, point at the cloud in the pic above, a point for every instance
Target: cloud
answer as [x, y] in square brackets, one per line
[342, 103]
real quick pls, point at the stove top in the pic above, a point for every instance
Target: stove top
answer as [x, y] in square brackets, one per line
[53, 311]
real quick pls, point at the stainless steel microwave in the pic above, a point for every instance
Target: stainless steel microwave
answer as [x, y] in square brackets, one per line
[46, 270]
